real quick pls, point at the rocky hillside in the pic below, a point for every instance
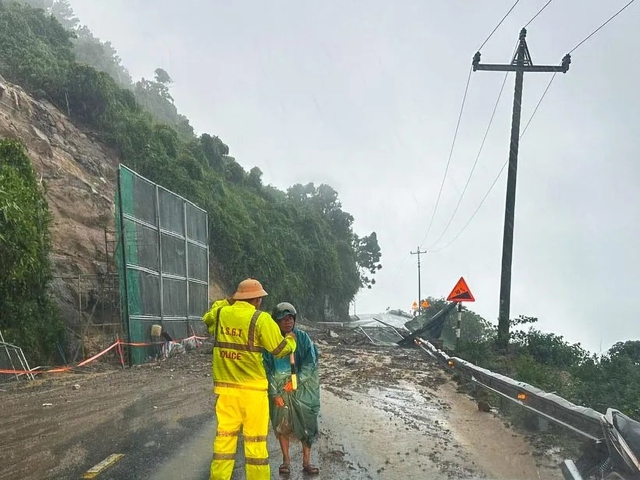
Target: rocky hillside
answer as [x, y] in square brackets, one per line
[79, 174]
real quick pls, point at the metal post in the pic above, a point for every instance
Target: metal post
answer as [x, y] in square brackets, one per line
[8, 354]
[123, 245]
[458, 327]
[520, 64]
[186, 258]
[419, 252]
[80, 317]
[158, 223]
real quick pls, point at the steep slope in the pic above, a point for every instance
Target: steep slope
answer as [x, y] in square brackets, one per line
[79, 174]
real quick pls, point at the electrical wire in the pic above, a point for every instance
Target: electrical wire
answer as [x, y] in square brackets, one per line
[499, 173]
[446, 170]
[396, 271]
[515, 49]
[598, 29]
[534, 111]
[539, 12]
[475, 163]
[497, 26]
[455, 135]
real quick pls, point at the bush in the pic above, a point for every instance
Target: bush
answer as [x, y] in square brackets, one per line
[27, 315]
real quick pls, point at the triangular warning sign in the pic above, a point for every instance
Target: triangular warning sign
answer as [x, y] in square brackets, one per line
[461, 293]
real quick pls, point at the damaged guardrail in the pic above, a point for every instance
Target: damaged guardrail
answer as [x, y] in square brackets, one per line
[581, 420]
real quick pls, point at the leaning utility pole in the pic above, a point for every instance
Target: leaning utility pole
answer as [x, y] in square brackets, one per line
[520, 64]
[419, 252]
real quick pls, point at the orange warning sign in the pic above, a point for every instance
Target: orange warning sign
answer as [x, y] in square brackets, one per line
[461, 293]
[424, 304]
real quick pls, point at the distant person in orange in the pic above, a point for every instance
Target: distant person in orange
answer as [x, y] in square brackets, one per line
[241, 333]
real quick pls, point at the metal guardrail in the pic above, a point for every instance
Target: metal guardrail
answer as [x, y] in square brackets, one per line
[581, 420]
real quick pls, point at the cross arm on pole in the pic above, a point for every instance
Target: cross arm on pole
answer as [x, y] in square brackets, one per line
[527, 68]
[521, 61]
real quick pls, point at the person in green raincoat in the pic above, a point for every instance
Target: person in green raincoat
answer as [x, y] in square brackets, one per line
[294, 413]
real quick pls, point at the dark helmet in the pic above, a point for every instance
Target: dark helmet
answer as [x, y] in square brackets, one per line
[282, 310]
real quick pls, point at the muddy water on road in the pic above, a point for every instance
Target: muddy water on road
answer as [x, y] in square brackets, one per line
[389, 416]
[372, 436]
[377, 440]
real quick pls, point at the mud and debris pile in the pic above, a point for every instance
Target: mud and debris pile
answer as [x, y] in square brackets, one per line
[387, 413]
[400, 415]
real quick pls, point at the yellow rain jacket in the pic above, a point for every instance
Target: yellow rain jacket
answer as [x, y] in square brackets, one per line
[241, 333]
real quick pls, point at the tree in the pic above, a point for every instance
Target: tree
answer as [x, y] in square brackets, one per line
[155, 96]
[43, 4]
[162, 76]
[629, 349]
[27, 316]
[100, 55]
[214, 151]
[62, 10]
[255, 178]
[368, 258]
[301, 193]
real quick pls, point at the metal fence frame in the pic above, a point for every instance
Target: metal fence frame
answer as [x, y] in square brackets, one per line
[18, 354]
[159, 231]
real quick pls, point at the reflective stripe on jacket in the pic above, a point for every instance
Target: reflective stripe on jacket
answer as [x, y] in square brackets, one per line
[241, 333]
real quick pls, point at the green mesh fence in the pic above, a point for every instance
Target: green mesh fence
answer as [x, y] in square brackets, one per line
[163, 262]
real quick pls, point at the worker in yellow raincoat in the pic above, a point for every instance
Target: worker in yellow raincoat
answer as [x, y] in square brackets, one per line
[241, 333]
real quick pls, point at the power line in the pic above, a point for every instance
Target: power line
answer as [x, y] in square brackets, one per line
[497, 26]
[598, 29]
[539, 12]
[538, 105]
[453, 143]
[475, 163]
[455, 135]
[499, 174]
[478, 156]
[394, 273]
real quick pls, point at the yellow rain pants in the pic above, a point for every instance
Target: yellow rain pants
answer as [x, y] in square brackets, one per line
[251, 412]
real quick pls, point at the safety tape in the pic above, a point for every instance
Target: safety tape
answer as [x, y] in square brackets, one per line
[95, 357]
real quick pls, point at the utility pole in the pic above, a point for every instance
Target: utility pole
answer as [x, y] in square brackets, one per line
[520, 64]
[419, 252]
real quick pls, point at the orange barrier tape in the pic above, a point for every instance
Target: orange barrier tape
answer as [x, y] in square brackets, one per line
[89, 360]
[95, 357]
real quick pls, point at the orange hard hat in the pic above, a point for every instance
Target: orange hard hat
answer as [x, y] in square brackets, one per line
[248, 289]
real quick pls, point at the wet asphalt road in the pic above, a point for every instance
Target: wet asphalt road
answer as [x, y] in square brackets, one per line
[186, 455]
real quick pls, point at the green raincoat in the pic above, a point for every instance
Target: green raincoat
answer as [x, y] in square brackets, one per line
[299, 418]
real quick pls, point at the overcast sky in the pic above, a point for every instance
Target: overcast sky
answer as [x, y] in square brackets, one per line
[365, 96]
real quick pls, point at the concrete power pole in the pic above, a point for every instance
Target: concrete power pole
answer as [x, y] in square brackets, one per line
[520, 64]
[419, 252]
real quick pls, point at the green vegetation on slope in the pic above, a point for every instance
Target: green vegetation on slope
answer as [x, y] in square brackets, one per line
[27, 316]
[300, 243]
[549, 362]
